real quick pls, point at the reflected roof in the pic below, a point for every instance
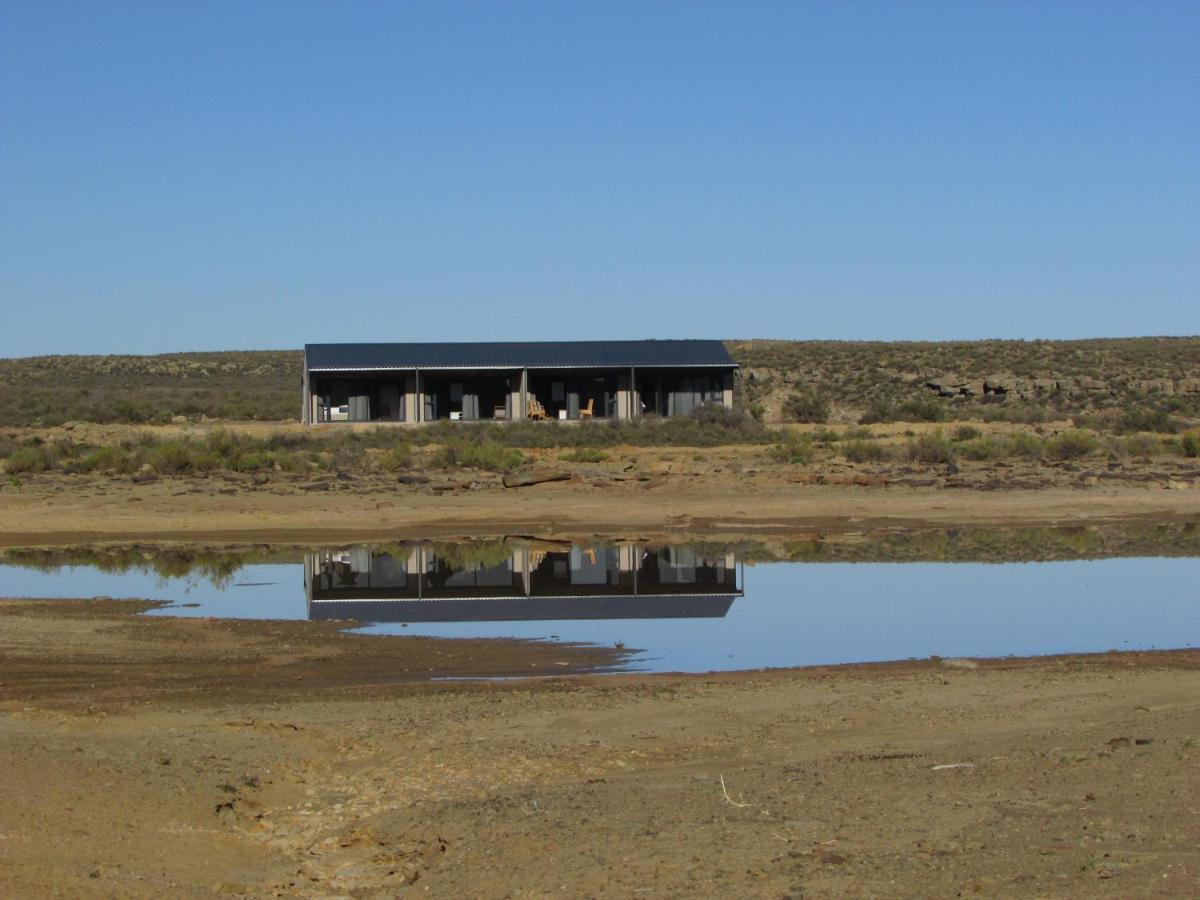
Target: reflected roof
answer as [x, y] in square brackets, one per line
[507, 609]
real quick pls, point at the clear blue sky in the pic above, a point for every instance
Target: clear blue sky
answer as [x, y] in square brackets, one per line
[223, 175]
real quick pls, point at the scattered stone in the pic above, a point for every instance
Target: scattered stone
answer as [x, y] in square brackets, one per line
[524, 479]
[315, 486]
[412, 479]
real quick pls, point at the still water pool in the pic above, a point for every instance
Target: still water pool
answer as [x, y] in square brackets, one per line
[685, 609]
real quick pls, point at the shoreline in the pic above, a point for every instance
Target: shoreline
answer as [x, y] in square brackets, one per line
[260, 758]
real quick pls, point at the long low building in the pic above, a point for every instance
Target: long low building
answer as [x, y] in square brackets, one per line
[513, 381]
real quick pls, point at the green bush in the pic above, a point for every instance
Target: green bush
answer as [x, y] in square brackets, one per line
[924, 410]
[398, 457]
[808, 406]
[985, 448]
[878, 411]
[1190, 444]
[931, 448]
[1072, 444]
[860, 451]
[171, 458]
[487, 455]
[965, 433]
[793, 448]
[1142, 446]
[1026, 445]
[1145, 419]
[28, 459]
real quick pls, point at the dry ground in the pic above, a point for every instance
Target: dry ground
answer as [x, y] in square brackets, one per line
[727, 489]
[156, 757]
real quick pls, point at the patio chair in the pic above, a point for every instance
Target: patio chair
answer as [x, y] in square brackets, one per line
[586, 412]
[536, 410]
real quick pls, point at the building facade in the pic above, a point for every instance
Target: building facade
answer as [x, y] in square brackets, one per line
[568, 380]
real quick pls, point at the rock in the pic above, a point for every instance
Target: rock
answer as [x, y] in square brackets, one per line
[959, 662]
[524, 479]
[412, 479]
[70, 426]
[260, 479]
[179, 420]
[143, 477]
[316, 486]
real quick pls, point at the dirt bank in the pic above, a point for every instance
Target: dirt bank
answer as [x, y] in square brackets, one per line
[157, 757]
[50, 509]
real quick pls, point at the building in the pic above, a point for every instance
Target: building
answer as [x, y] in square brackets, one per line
[512, 381]
[434, 584]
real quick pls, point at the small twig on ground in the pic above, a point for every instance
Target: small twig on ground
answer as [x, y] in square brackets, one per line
[729, 799]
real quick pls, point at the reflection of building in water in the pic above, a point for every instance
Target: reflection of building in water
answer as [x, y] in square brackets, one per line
[428, 584]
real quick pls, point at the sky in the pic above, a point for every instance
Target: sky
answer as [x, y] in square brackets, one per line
[229, 175]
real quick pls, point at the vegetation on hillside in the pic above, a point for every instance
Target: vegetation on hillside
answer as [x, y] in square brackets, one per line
[1157, 379]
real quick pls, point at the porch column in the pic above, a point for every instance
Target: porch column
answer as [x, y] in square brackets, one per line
[420, 396]
[633, 394]
[305, 398]
[522, 411]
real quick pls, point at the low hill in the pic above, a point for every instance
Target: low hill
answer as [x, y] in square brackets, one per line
[1021, 380]
[50, 390]
[847, 380]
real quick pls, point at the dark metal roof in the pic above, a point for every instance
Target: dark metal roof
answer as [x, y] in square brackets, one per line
[518, 355]
[519, 609]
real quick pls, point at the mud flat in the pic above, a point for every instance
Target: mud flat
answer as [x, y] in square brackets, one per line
[152, 757]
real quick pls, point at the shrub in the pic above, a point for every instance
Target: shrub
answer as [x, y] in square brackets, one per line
[985, 448]
[1071, 444]
[1142, 446]
[1190, 444]
[924, 410]
[966, 433]
[931, 448]
[859, 451]
[1026, 445]
[793, 448]
[808, 406]
[1156, 420]
[878, 411]
[857, 434]
[398, 457]
[252, 462]
[487, 455]
[28, 459]
[170, 458]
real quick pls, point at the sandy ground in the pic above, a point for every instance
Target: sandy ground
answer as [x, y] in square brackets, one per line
[154, 757]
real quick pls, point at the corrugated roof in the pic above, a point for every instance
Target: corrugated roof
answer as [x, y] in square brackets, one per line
[517, 355]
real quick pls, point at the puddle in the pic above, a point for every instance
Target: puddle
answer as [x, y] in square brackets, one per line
[690, 608]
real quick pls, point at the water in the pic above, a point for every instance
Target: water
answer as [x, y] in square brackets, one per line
[687, 609]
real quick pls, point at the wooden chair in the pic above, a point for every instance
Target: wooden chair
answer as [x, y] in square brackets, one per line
[536, 410]
[586, 412]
